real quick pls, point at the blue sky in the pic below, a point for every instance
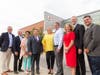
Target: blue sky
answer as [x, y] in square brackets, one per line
[20, 13]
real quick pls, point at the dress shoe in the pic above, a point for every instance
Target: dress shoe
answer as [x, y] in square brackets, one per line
[32, 73]
[9, 70]
[37, 72]
[15, 72]
[21, 70]
[49, 72]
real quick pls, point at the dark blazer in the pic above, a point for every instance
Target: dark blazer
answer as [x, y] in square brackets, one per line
[92, 40]
[0, 41]
[79, 32]
[4, 42]
[17, 44]
[35, 46]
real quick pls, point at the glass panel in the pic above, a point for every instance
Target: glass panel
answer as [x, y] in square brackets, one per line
[95, 16]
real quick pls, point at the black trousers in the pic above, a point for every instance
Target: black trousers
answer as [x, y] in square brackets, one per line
[17, 66]
[80, 69]
[35, 58]
[50, 58]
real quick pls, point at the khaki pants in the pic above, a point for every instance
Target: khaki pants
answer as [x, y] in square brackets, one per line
[5, 60]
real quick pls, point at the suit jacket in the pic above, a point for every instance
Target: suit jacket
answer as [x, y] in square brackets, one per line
[0, 41]
[17, 44]
[79, 32]
[92, 40]
[35, 46]
[4, 42]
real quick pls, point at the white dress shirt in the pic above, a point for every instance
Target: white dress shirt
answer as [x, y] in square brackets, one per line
[10, 39]
[20, 38]
[75, 25]
[37, 38]
[58, 38]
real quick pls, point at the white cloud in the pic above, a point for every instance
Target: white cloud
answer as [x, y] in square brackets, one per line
[68, 8]
[20, 13]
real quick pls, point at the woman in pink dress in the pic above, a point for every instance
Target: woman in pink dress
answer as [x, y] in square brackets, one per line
[69, 47]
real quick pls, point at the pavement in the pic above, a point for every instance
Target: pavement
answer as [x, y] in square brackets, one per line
[43, 67]
[43, 71]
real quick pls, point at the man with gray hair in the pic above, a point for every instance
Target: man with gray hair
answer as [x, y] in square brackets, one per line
[17, 66]
[7, 47]
[79, 33]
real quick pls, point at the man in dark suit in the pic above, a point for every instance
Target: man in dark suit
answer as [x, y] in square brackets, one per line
[92, 44]
[7, 47]
[79, 32]
[17, 66]
[35, 49]
[0, 41]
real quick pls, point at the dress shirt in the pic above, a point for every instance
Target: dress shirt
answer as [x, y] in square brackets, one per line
[37, 38]
[58, 38]
[75, 25]
[10, 39]
[20, 38]
[87, 27]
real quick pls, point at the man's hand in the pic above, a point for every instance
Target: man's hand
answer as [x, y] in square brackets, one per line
[30, 53]
[16, 53]
[79, 51]
[58, 50]
[86, 51]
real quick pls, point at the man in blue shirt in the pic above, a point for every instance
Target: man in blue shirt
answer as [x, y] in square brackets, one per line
[58, 38]
[7, 47]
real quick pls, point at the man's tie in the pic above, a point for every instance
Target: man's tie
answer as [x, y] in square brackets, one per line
[36, 38]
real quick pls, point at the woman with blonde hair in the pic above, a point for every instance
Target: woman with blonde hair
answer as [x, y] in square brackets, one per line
[70, 49]
[49, 49]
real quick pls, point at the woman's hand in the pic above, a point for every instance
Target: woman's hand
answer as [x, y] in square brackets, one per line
[30, 53]
[26, 53]
[66, 49]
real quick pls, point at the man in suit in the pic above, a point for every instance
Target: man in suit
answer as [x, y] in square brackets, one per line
[35, 48]
[0, 42]
[79, 32]
[58, 38]
[92, 44]
[7, 47]
[17, 66]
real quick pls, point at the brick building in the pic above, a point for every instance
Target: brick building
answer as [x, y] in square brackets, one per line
[49, 20]
[39, 25]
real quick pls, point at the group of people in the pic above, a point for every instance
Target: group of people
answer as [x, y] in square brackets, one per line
[26, 50]
[71, 42]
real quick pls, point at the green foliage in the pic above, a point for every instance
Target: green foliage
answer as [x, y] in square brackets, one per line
[40, 32]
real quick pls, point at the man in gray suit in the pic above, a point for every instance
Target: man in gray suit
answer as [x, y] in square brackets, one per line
[92, 44]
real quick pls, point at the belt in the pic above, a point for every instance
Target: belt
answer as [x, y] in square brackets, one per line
[9, 47]
[55, 45]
